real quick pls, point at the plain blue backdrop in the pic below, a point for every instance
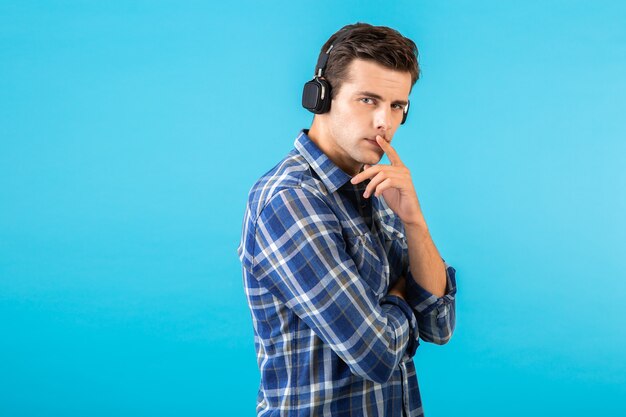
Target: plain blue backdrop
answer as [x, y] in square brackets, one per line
[131, 132]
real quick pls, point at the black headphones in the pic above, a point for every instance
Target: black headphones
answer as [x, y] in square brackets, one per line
[316, 93]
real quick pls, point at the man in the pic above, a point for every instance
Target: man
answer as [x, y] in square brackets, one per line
[340, 272]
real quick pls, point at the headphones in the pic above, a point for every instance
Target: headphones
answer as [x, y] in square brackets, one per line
[316, 93]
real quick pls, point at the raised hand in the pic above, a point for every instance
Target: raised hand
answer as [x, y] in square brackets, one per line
[394, 183]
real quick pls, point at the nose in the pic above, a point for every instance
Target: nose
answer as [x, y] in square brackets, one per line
[382, 118]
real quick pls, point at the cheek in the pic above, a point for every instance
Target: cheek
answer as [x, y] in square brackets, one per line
[341, 118]
[350, 117]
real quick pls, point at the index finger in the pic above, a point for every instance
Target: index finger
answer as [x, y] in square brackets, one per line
[394, 158]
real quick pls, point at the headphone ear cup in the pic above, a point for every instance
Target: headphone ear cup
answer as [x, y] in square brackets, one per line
[316, 96]
[405, 113]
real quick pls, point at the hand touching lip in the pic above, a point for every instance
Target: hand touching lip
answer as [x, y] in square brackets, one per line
[394, 183]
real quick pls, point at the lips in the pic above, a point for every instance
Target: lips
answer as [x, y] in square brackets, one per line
[373, 142]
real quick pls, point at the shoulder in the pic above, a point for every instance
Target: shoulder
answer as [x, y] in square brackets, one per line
[285, 196]
[289, 178]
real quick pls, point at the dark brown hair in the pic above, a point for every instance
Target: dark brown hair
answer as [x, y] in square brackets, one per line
[379, 44]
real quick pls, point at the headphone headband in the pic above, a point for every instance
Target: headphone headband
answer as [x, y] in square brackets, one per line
[322, 59]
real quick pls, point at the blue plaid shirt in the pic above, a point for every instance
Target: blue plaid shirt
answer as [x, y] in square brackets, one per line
[318, 260]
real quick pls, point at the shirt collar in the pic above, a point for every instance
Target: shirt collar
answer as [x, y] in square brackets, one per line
[331, 175]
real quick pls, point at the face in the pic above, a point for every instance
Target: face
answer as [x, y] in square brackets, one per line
[370, 102]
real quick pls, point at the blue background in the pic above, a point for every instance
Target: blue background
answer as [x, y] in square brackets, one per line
[131, 132]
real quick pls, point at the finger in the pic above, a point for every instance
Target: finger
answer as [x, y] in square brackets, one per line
[380, 177]
[374, 170]
[368, 173]
[388, 183]
[390, 151]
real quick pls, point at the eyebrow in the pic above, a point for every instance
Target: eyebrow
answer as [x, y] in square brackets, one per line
[379, 97]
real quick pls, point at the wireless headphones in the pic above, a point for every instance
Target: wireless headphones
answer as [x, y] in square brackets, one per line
[316, 93]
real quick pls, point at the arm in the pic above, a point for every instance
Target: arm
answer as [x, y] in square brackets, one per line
[427, 275]
[300, 257]
[436, 316]
[426, 265]
[430, 286]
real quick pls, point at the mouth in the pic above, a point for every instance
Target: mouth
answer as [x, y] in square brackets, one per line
[373, 142]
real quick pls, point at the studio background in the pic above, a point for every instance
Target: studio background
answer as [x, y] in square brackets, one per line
[131, 132]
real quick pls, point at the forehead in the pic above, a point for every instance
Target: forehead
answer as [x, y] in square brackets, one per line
[370, 76]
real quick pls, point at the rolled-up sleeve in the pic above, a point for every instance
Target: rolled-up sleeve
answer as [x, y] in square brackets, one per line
[436, 316]
[301, 258]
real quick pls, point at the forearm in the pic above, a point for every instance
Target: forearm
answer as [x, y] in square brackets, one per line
[427, 267]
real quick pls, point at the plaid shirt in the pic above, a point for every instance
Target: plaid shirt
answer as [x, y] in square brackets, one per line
[318, 260]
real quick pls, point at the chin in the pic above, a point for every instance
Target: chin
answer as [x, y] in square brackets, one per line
[375, 160]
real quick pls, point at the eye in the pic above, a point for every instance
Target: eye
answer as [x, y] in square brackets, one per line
[367, 100]
[398, 106]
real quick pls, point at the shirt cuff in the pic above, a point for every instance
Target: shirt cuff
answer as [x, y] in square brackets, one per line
[424, 302]
[413, 341]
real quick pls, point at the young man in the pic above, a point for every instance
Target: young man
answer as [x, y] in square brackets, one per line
[340, 272]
